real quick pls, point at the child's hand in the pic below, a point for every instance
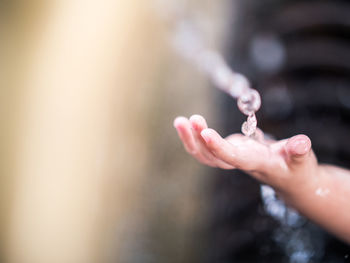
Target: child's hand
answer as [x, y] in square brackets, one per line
[287, 165]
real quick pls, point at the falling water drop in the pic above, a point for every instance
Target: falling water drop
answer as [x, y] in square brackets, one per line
[249, 127]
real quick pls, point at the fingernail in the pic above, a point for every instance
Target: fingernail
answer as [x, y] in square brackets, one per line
[177, 121]
[301, 147]
[206, 135]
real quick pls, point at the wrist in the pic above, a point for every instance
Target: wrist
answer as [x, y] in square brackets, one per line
[301, 186]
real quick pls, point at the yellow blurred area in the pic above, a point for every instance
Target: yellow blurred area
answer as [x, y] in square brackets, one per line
[91, 169]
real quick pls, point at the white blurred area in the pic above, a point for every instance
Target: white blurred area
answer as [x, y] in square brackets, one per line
[91, 167]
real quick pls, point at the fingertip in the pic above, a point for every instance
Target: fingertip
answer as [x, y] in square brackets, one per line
[179, 121]
[208, 135]
[196, 117]
[198, 122]
[299, 145]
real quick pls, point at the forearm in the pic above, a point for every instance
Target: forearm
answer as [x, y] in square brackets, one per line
[325, 200]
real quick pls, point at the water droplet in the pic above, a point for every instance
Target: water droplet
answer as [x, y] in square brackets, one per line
[249, 102]
[322, 192]
[249, 127]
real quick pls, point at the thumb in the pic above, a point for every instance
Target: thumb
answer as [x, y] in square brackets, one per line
[298, 149]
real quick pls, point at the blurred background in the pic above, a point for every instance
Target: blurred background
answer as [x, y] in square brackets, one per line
[91, 167]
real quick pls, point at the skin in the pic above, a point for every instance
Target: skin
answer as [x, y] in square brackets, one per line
[320, 192]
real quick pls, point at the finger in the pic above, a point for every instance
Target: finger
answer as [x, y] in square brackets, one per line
[241, 152]
[183, 128]
[298, 149]
[198, 124]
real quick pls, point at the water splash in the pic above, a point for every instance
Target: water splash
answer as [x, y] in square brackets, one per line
[189, 43]
[295, 236]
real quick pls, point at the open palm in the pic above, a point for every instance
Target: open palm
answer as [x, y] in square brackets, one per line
[271, 162]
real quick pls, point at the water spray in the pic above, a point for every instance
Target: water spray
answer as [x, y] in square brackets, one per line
[187, 42]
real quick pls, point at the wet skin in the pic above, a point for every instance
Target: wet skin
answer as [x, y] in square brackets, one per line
[320, 192]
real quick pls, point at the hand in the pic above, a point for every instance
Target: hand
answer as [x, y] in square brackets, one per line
[282, 164]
